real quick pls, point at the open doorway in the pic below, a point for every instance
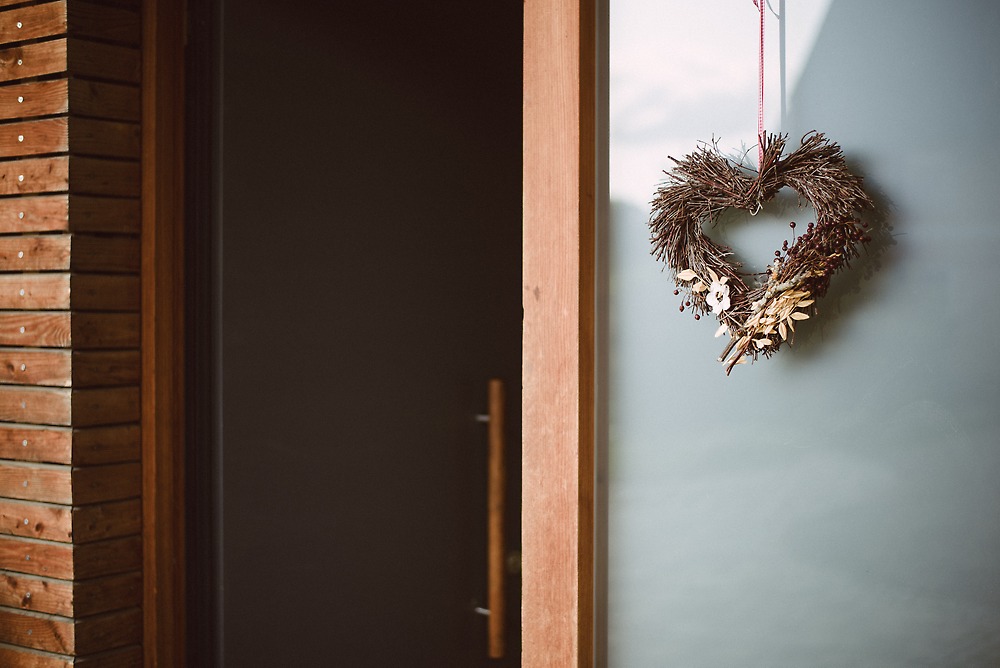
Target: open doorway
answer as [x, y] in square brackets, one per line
[354, 180]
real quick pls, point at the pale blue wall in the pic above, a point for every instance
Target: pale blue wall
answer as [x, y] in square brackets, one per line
[838, 504]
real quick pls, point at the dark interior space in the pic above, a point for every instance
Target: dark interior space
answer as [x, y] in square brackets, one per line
[354, 235]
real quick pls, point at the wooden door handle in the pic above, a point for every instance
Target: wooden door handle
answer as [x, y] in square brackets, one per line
[496, 486]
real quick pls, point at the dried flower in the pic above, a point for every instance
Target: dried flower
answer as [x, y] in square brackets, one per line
[718, 295]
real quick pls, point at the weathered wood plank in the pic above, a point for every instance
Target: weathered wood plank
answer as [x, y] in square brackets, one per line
[50, 135]
[103, 61]
[62, 291]
[37, 631]
[51, 213]
[36, 482]
[50, 252]
[106, 520]
[62, 368]
[33, 22]
[126, 657]
[35, 175]
[98, 99]
[105, 406]
[37, 98]
[34, 60]
[36, 405]
[37, 444]
[61, 329]
[79, 136]
[104, 368]
[31, 592]
[100, 292]
[109, 482]
[84, 175]
[18, 657]
[108, 557]
[36, 520]
[106, 445]
[35, 291]
[88, 407]
[64, 524]
[107, 593]
[37, 557]
[65, 561]
[35, 366]
[112, 254]
[68, 598]
[98, 633]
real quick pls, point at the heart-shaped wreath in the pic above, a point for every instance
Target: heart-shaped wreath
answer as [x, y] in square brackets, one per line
[758, 318]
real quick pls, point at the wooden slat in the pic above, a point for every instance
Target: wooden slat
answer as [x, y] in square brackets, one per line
[108, 557]
[60, 329]
[93, 484]
[98, 633]
[37, 631]
[36, 405]
[107, 593]
[559, 157]
[105, 406]
[33, 22]
[81, 598]
[35, 291]
[34, 175]
[106, 445]
[36, 520]
[33, 60]
[51, 213]
[103, 100]
[94, 176]
[63, 252]
[50, 252]
[50, 135]
[61, 368]
[87, 19]
[46, 213]
[126, 657]
[106, 520]
[32, 366]
[105, 253]
[36, 482]
[104, 61]
[30, 592]
[69, 407]
[36, 98]
[61, 445]
[80, 136]
[78, 97]
[37, 557]
[65, 561]
[19, 657]
[37, 444]
[97, 292]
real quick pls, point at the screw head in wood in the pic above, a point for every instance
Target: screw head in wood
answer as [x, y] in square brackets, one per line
[20, 99]
[20, 253]
[24, 443]
[20, 137]
[18, 24]
[20, 177]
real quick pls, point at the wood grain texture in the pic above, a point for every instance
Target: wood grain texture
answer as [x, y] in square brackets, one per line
[103, 61]
[108, 557]
[51, 213]
[36, 557]
[30, 592]
[64, 407]
[36, 520]
[99, 99]
[37, 98]
[34, 175]
[559, 158]
[107, 520]
[93, 484]
[50, 135]
[36, 444]
[98, 633]
[37, 631]
[28, 366]
[33, 22]
[19, 657]
[106, 445]
[36, 482]
[35, 253]
[61, 329]
[163, 331]
[33, 60]
[107, 593]
[79, 19]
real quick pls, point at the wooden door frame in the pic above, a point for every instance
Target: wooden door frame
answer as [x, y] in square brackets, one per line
[163, 354]
[559, 192]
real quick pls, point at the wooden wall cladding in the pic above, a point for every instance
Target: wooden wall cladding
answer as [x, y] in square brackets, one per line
[70, 477]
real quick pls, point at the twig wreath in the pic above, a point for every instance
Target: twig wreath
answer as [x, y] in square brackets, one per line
[705, 183]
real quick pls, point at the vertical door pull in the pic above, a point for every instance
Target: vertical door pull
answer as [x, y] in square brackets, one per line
[496, 486]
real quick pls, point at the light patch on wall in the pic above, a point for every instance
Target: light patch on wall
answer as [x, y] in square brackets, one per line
[678, 69]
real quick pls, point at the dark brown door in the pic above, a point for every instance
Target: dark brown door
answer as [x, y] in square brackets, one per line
[366, 273]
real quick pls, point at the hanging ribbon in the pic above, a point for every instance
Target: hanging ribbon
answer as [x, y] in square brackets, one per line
[760, 89]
